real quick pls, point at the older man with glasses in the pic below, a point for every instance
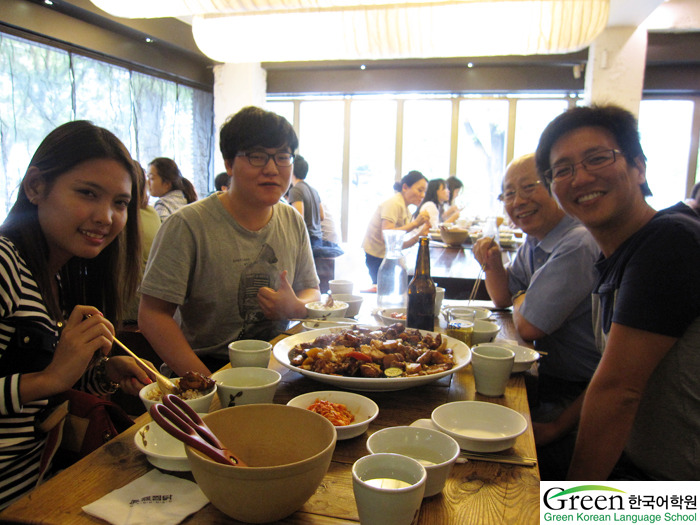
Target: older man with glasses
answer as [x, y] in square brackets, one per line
[549, 284]
[640, 417]
[237, 264]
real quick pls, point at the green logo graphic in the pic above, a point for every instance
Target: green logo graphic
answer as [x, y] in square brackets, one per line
[585, 488]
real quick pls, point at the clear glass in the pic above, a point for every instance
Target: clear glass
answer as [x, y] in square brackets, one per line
[426, 137]
[481, 155]
[372, 162]
[665, 130]
[392, 278]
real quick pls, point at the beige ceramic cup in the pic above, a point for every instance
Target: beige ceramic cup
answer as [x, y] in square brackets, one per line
[492, 365]
[388, 488]
[340, 286]
[249, 352]
[246, 385]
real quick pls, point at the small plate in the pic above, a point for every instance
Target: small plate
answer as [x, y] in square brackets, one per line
[162, 450]
[329, 323]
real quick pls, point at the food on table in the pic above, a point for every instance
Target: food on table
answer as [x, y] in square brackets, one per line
[192, 385]
[391, 351]
[397, 315]
[336, 413]
[328, 304]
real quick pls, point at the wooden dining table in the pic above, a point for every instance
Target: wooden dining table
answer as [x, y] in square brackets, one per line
[455, 268]
[477, 492]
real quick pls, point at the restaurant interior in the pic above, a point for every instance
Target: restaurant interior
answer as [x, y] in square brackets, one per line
[360, 111]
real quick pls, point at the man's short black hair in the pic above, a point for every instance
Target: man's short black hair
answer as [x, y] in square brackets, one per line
[618, 121]
[221, 180]
[255, 127]
[301, 167]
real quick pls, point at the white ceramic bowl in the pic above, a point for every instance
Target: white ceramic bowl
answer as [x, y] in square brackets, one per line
[479, 312]
[386, 317]
[479, 426]
[484, 331]
[318, 309]
[246, 385]
[200, 404]
[363, 408]
[435, 450]
[524, 358]
[161, 449]
[354, 303]
[454, 236]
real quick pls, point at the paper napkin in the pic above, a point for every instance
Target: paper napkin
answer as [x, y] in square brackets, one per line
[153, 498]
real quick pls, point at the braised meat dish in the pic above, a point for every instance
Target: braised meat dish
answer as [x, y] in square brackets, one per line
[392, 351]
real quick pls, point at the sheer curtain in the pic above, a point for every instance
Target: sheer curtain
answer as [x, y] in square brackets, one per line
[42, 87]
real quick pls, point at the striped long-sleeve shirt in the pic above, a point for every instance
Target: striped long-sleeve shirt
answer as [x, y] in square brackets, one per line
[21, 304]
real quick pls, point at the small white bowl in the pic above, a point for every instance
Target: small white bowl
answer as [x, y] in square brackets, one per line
[340, 286]
[484, 331]
[319, 309]
[455, 311]
[524, 358]
[354, 303]
[201, 404]
[435, 450]
[385, 314]
[161, 449]
[479, 426]
[363, 408]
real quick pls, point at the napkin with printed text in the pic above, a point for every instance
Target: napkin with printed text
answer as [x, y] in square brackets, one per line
[153, 498]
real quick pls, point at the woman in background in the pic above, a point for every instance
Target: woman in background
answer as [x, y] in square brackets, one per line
[452, 212]
[393, 214]
[69, 259]
[436, 197]
[166, 182]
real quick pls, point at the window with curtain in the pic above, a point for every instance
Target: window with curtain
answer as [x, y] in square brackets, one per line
[42, 87]
[481, 155]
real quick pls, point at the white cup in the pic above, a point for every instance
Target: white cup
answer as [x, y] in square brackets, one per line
[340, 286]
[491, 365]
[249, 352]
[437, 452]
[397, 499]
[439, 296]
[246, 385]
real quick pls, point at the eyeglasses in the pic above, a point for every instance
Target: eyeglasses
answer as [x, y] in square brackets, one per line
[594, 161]
[524, 191]
[259, 159]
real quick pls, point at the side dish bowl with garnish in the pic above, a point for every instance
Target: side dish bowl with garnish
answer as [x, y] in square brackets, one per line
[373, 359]
[336, 406]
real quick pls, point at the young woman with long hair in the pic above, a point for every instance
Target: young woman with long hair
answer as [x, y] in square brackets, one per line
[69, 260]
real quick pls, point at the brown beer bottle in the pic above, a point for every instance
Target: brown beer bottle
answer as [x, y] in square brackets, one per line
[421, 292]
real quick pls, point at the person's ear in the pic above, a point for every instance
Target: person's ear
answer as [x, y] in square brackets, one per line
[34, 185]
[228, 164]
[641, 167]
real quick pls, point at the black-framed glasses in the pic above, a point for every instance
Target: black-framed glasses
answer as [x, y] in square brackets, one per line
[594, 161]
[525, 191]
[259, 159]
